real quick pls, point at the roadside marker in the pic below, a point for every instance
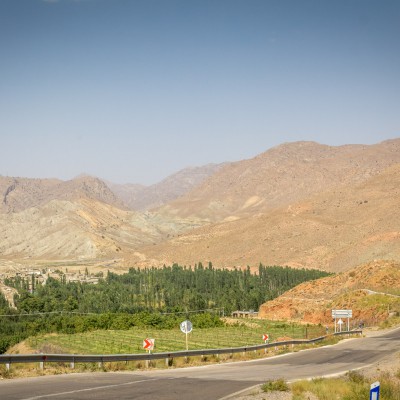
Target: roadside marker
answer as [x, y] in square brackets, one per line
[374, 392]
[148, 344]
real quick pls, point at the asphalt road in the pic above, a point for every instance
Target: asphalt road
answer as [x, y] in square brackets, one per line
[207, 382]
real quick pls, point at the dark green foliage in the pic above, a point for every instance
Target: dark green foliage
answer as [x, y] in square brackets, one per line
[142, 297]
[169, 289]
[10, 332]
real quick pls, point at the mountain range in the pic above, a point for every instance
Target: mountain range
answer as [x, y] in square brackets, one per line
[301, 204]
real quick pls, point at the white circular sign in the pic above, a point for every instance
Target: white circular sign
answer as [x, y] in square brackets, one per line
[186, 326]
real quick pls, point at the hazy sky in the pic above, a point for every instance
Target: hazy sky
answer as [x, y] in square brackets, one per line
[132, 91]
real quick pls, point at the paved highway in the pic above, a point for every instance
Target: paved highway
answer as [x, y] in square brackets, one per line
[207, 382]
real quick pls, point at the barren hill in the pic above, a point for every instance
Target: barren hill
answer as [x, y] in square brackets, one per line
[77, 219]
[299, 204]
[18, 194]
[80, 229]
[313, 301]
[141, 198]
[281, 176]
[334, 230]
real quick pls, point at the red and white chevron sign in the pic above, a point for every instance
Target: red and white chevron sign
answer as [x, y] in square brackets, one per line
[148, 344]
[265, 337]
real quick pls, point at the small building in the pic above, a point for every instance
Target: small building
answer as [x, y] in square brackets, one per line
[245, 314]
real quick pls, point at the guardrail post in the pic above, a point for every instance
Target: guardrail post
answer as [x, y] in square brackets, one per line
[101, 364]
[72, 364]
[147, 363]
[8, 366]
[42, 362]
[167, 362]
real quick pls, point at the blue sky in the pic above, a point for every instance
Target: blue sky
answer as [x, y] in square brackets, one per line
[132, 91]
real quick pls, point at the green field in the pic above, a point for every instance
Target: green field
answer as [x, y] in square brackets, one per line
[131, 341]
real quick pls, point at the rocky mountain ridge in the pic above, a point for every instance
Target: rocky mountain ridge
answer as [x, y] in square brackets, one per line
[281, 176]
[18, 194]
[300, 204]
[334, 230]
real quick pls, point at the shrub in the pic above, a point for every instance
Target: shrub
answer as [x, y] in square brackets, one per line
[278, 385]
[356, 377]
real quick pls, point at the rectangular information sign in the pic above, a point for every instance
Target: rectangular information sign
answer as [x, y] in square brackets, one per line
[342, 313]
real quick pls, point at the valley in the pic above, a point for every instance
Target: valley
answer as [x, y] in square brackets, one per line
[302, 206]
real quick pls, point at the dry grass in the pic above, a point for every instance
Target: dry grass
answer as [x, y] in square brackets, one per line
[354, 386]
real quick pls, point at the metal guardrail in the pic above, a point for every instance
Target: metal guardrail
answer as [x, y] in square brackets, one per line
[9, 359]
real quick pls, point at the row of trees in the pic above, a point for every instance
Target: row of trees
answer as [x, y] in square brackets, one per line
[167, 289]
[141, 297]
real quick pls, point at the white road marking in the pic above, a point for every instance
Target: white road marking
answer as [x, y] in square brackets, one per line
[87, 389]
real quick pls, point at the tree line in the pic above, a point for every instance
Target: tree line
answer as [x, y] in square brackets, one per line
[149, 296]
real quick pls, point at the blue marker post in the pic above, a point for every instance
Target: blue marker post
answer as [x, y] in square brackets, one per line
[374, 392]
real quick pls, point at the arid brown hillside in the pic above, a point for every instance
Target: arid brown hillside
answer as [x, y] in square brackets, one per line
[313, 301]
[334, 230]
[281, 176]
[299, 204]
[80, 229]
[141, 198]
[18, 194]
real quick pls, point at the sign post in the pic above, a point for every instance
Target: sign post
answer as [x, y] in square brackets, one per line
[148, 344]
[186, 327]
[374, 392]
[342, 314]
[340, 323]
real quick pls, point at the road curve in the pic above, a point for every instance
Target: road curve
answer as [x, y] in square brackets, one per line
[206, 382]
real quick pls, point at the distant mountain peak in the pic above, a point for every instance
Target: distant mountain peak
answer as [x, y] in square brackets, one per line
[21, 193]
[139, 197]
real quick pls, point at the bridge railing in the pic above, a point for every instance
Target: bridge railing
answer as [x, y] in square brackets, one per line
[9, 359]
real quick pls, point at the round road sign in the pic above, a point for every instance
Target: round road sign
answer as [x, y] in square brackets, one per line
[186, 326]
